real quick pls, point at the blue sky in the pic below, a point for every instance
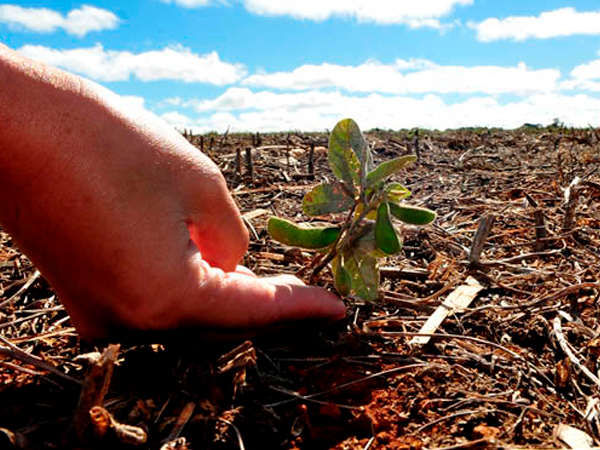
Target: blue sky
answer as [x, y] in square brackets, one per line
[279, 65]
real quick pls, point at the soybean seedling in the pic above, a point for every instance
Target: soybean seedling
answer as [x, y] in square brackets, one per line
[353, 246]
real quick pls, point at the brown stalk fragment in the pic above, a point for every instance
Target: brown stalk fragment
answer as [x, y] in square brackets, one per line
[483, 231]
[94, 390]
[184, 417]
[249, 164]
[571, 197]
[238, 162]
[311, 160]
[540, 230]
[105, 426]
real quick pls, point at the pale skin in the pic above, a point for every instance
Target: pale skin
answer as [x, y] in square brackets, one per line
[133, 227]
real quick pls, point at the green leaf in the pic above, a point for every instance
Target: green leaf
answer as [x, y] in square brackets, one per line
[365, 243]
[349, 154]
[302, 235]
[413, 215]
[385, 232]
[327, 198]
[388, 168]
[342, 280]
[396, 192]
[364, 273]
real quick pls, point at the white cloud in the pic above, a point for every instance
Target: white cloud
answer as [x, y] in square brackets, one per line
[556, 23]
[172, 63]
[585, 77]
[177, 120]
[416, 77]
[422, 13]
[245, 110]
[78, 22]
[590, 71]
[133, 101]
[193, 3]
[385, 12]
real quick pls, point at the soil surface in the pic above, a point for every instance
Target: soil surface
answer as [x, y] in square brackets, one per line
[515, 369]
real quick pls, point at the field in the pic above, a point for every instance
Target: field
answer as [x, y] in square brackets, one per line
[518, 231]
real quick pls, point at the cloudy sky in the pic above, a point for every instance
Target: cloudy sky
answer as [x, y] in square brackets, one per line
[278, 65]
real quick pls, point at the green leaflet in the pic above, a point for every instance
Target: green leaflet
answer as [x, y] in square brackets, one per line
[326, 198]
[388, 168]
[291, 234]
[413, 215]
[364, 273]
[349, 154]
[385, 232]
[342, 280]
[396, 192]
[365, 244]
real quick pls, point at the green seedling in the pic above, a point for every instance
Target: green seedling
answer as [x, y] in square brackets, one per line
[353, 246]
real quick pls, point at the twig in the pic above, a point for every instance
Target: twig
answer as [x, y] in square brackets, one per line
[21, 291]
[473, 339]
[182, 420]
[453, 416]
[563, 292]
[360, 380]
[465, 445]
[11, 350]
[369, 443]
[237, 432]
[396, 273]
[312, 400]
[566, 348]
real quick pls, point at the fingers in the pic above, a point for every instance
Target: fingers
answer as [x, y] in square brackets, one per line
[245, 271]
[237, 300]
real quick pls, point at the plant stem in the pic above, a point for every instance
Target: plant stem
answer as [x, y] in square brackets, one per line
[321, 263]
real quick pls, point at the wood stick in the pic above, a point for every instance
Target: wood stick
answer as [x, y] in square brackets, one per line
[417, 148]
[404, 274]
[238, 161]
[483, 231]
[540, 230]
[94, 390]
[311, 160]
[457, 301]
[571, 197]
[249, 164]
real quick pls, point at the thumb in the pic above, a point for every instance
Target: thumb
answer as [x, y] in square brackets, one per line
[214, 222]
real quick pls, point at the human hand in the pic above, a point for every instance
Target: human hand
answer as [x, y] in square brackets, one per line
[133, 227]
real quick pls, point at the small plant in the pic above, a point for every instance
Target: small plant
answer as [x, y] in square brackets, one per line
[353, 247]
